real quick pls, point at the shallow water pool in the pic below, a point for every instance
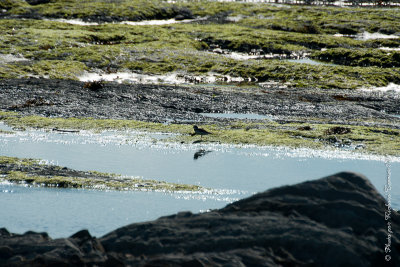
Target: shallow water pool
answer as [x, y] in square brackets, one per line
[62, 212]
[248, 116]
[233, 171]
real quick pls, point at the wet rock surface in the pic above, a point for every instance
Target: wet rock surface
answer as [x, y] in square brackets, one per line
[182, 104]
[334, 221]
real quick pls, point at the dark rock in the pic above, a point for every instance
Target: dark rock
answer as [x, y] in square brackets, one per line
[334, 221]
[179, 17]
[37, 2]
[6, 252]
[82, 235]
[94, 85]
[338, 130]
[155, 103]
[305, 128]
[4, 232]
[332, 140]
[343, 28]
[183, 13]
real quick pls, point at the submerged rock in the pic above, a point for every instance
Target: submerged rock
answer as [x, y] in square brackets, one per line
[335, 221]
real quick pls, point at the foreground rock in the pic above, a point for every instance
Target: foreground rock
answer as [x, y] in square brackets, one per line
[335, 221]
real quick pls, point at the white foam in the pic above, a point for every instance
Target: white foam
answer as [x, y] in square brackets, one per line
[345, 35]
[244, 56]
[132, 77]
[376, 35]
[169, 78]
[133, 23]
[391, 87]
[390, 48]
[368, 36]
[156, 22]
[234, 18]
[275, 84]
[6, 58]
[75, 22]
[257, 54]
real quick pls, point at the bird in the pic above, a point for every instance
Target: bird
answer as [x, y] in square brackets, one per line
[200, 131]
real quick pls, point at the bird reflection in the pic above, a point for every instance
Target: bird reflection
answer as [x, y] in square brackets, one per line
[200, 153]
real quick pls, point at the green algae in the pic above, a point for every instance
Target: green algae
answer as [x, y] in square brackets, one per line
[65, 51]
[92, 179]
[382, 141]
[18, 161]
[6, 132]
[53, 69]
[132, 9]
[96, 183]
[14, 5]
[303, 19]
[360, 57]
[320, 19]
[13, 119]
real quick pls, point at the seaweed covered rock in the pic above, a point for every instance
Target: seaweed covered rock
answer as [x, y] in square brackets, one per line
[334, 221]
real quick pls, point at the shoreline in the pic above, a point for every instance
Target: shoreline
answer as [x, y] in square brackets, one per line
[312, 118]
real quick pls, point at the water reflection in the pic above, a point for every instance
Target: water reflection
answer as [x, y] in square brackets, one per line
[200, 153]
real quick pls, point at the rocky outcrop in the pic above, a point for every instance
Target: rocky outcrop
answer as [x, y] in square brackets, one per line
[335, 221]
[156, 103]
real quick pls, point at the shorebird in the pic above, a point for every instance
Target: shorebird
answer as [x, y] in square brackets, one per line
[200, 131]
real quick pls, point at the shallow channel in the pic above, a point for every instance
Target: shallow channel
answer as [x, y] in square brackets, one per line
[234, 171]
